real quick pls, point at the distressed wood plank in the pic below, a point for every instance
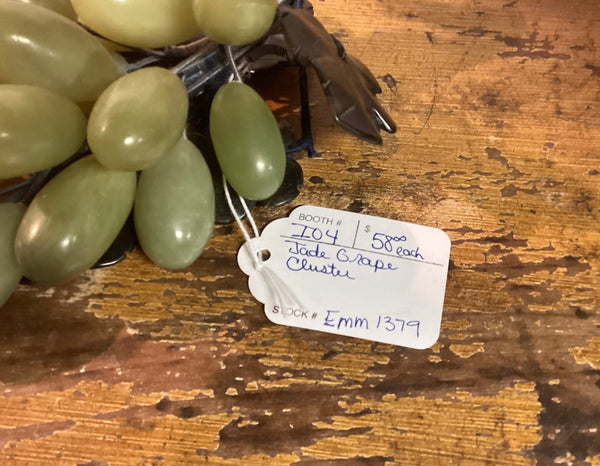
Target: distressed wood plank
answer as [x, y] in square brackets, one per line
[498, 113]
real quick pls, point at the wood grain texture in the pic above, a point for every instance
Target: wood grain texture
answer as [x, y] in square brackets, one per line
[498, 111]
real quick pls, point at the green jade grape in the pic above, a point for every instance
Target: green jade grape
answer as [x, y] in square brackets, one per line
[234, 22]
[137, 119]
[38, 129]
[10, 275]
[174, 209]
[73, 220]
[42, 48]
[247, 141]
[62, 7]
[139, 23]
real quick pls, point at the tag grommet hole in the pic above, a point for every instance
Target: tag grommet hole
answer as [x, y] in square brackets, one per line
[264, 255]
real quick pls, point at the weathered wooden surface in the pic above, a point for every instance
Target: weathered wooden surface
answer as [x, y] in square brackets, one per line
[498, 143]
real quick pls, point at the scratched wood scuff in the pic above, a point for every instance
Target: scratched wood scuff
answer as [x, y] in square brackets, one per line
[498, 113]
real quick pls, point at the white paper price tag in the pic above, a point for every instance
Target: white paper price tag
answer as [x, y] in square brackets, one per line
[351, 274]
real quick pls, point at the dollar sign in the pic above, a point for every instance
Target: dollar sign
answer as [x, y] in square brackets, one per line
[367, 229]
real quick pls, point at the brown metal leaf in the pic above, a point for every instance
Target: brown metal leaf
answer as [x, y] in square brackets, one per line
[348, 84]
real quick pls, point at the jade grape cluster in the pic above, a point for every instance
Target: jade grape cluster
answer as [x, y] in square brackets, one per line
[61, 86]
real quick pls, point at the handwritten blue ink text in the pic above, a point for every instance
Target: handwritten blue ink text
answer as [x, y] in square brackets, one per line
[303, 249]
[297, 264]
[334, 319]
[315, 234]
[363, 260]
[389, 243]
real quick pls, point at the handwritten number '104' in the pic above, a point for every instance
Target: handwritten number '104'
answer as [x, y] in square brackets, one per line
[315, 234]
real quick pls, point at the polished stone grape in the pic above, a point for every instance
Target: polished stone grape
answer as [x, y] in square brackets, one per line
[174, 209]
[38, 129]
[62, 7]
[138, 119]
[42, 48]
[10, 275]
[247, 141]
[234, 22]
[73, 220]
[139, 23]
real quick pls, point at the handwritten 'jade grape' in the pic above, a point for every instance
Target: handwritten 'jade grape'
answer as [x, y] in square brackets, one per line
[139, 23]
[42, 48]
[73, 220]
[174, 209]
[38, 129]
[10, 275]
[234, 22]
[137, 119]
[247, 141]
